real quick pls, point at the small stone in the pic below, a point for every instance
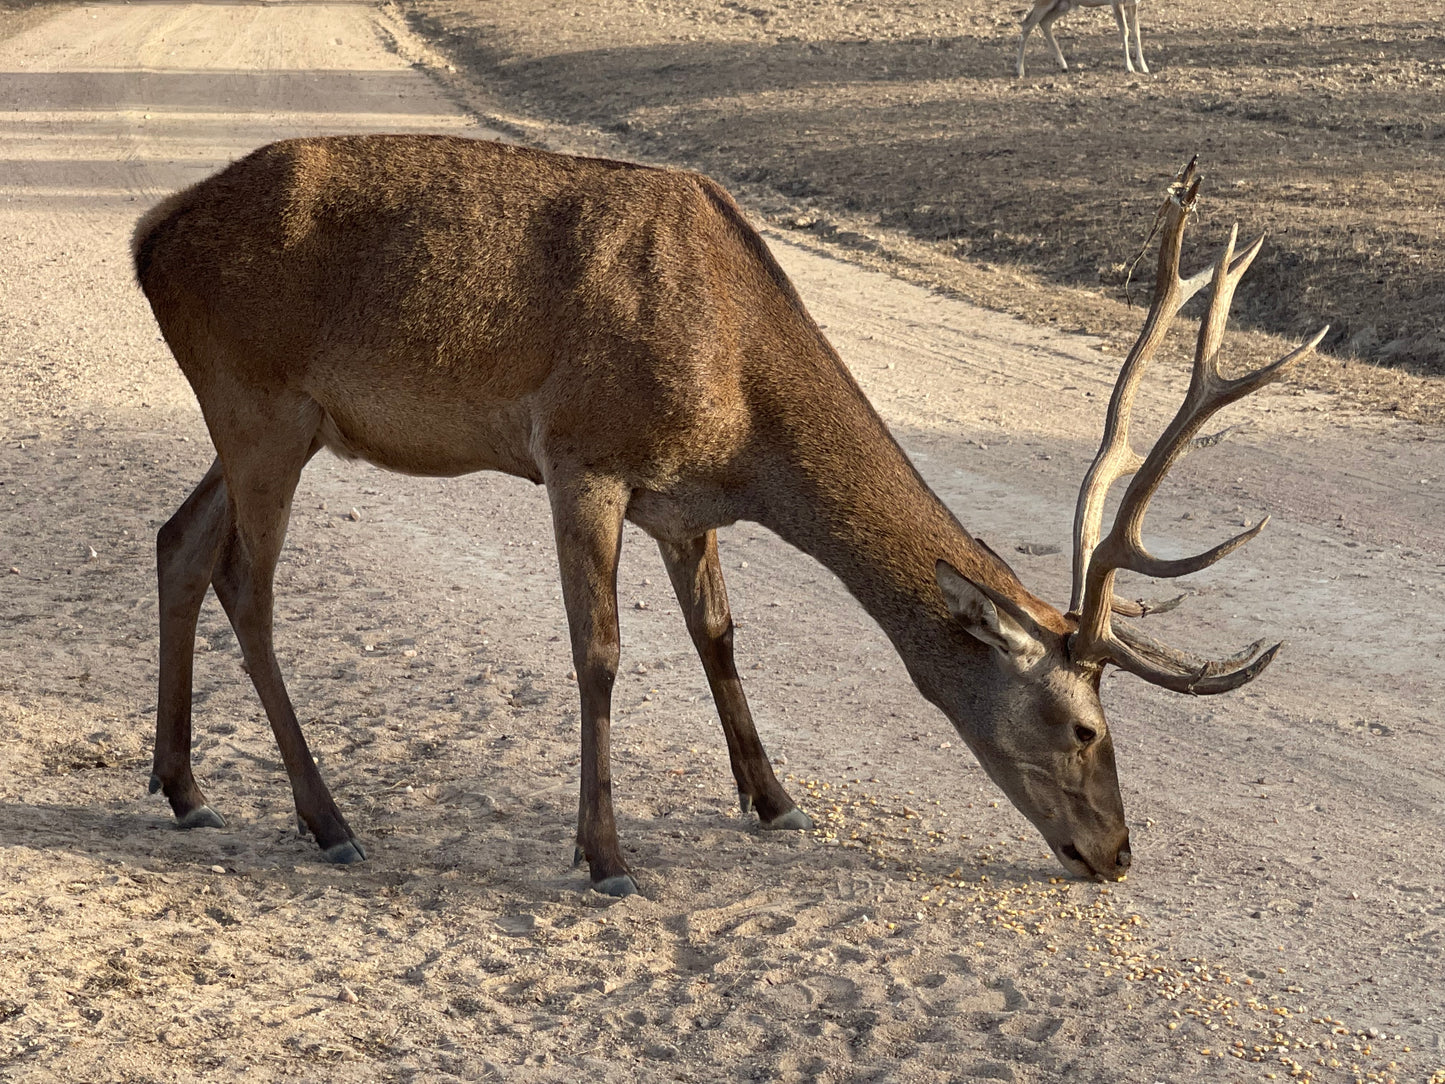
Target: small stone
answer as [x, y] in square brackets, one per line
[90, 554]
[1037, 549]
[218, 869]
[353, 515]
[409, 653]
[639, 605]
[347, 994]
[14, 571]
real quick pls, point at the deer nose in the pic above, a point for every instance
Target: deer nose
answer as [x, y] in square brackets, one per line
[1125, 857]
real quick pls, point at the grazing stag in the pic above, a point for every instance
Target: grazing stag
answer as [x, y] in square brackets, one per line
[621, 335]
[1044, 12]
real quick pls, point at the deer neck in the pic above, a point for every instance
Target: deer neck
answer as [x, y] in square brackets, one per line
[843, 492]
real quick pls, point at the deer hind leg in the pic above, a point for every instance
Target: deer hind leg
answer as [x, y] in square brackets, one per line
[187, 548]
[1131, 14]
[1031, 20]
[587, 515]
[1046, 28]
[1121, 19]
[263, 465]
[697, 579]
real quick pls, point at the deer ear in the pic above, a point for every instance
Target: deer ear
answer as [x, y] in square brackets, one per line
[971, 605]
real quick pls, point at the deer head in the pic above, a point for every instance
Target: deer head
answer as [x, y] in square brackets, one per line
[1041, 734]
[1044, 739]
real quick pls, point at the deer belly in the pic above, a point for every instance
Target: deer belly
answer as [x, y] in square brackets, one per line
[437, 440]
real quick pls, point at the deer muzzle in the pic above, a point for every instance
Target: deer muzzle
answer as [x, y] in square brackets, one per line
[1109, 863]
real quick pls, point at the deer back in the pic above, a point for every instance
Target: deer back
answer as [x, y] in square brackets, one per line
[456, 305]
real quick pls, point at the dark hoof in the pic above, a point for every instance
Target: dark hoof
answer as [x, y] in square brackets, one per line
[344, 853]
[745, 803]
[621, 885]
[155, 783]
[203, 816]
[301, 829]
[793, 820]
[578, 857]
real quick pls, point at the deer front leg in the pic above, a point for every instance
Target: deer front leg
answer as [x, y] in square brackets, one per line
[697, 579]
[186, 551]
[587, 514]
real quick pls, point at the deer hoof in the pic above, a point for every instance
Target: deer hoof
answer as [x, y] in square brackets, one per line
[203, 816]
[155, 783]
[621, 885]
[793, 820]
[344, 853]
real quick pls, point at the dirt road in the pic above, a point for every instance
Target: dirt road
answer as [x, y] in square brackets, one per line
[1287, 907]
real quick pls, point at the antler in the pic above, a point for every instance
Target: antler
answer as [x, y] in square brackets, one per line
[1099, 639]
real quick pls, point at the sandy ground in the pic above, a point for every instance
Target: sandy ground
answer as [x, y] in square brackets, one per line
[1286, 915]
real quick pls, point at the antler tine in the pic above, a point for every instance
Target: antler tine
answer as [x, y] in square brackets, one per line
[1227, 273]
[1116, 457]
[1142, 655]
[1097, 639]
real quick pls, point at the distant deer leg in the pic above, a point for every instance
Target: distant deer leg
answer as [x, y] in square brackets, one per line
[1131, 11]
[1030, 21]
[186, 551]
[587, 515]
[1046, 28]
[1121, 19]
[697, 579]
[263, 472]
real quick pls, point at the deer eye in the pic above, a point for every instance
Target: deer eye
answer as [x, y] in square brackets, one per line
[1085, 734]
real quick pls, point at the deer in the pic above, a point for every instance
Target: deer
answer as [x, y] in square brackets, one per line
[620, 334]
[1044, 12]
